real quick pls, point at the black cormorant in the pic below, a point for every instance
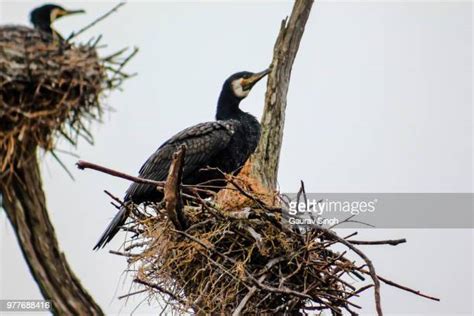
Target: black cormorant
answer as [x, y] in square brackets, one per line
[225, 144]
[42, 17]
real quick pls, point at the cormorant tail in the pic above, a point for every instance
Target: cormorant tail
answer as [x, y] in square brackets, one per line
[113, 227]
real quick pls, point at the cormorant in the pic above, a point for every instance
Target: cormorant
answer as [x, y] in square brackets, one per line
[42, 17]
[225, 144]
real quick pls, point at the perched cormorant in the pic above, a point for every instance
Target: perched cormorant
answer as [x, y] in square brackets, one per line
[225, 144]
[42, 17]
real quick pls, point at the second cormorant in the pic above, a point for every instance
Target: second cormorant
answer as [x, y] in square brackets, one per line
[43, 17]
[225, 144]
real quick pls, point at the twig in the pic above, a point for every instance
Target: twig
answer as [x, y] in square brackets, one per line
[123, 254]
[243, 302]
[102, 17]
[257, 237]
[62, 165]
[172, 190]
[159, 289]
[88, 165]
[351, 235]
[371, 272]
[113, 197]
[391, 242]
[360, 290]
[251, 197]
[131, 294]
[82, 165]
[252, 291]
[123, 63]
[405, 288]
[67, 152]
[135, 245]
[302, 190]
[111, 57]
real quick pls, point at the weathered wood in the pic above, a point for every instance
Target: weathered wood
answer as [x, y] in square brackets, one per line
[172, 190]
[25, 206]
[266, 158]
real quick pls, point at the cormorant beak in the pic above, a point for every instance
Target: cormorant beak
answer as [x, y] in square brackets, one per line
[248, 83]
[58, 13]
[71, 12]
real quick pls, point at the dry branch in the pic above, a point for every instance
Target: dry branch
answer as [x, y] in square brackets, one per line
[81, 164]
[391, 242]
[266, 158]
[172, 190]
[97, 20]
[368, 262]
[405, 288]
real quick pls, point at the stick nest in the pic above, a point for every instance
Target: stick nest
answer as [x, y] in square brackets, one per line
[48, 88]
[239, 260]
[237, 254]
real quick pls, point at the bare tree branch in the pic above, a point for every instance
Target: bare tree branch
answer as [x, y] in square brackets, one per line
[90, 25]
[266, 158]
[391, 242]
[405, 288]
[371, 271]
[81, 164]
[172, 190]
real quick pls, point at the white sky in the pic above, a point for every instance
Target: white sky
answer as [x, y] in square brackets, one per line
[380, 101]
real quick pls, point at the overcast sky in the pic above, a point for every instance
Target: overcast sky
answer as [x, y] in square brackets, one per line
[380, 101]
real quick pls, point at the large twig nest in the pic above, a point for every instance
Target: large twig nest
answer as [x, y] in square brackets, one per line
[242, 259]
[240, 256]
[47, 88]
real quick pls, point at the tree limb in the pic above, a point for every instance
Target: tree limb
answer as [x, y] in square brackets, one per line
[81, 164]
[266, 158]
[391, 242]
[371, 271]
[172, 190]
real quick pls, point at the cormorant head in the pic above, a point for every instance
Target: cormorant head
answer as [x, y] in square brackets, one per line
[242, 82]
[234, 90]
[44, 16]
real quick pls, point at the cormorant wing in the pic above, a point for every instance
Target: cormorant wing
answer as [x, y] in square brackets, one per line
[202, 141]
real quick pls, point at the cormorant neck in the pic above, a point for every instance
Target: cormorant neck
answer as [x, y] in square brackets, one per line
[44, 27]
[228, 106]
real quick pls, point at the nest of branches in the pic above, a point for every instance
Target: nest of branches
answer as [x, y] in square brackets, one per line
[239, 256]
[239, 262]
[49, 88]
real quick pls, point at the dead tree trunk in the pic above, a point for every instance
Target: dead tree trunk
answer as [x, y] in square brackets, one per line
[25, 205]
[266, 158]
